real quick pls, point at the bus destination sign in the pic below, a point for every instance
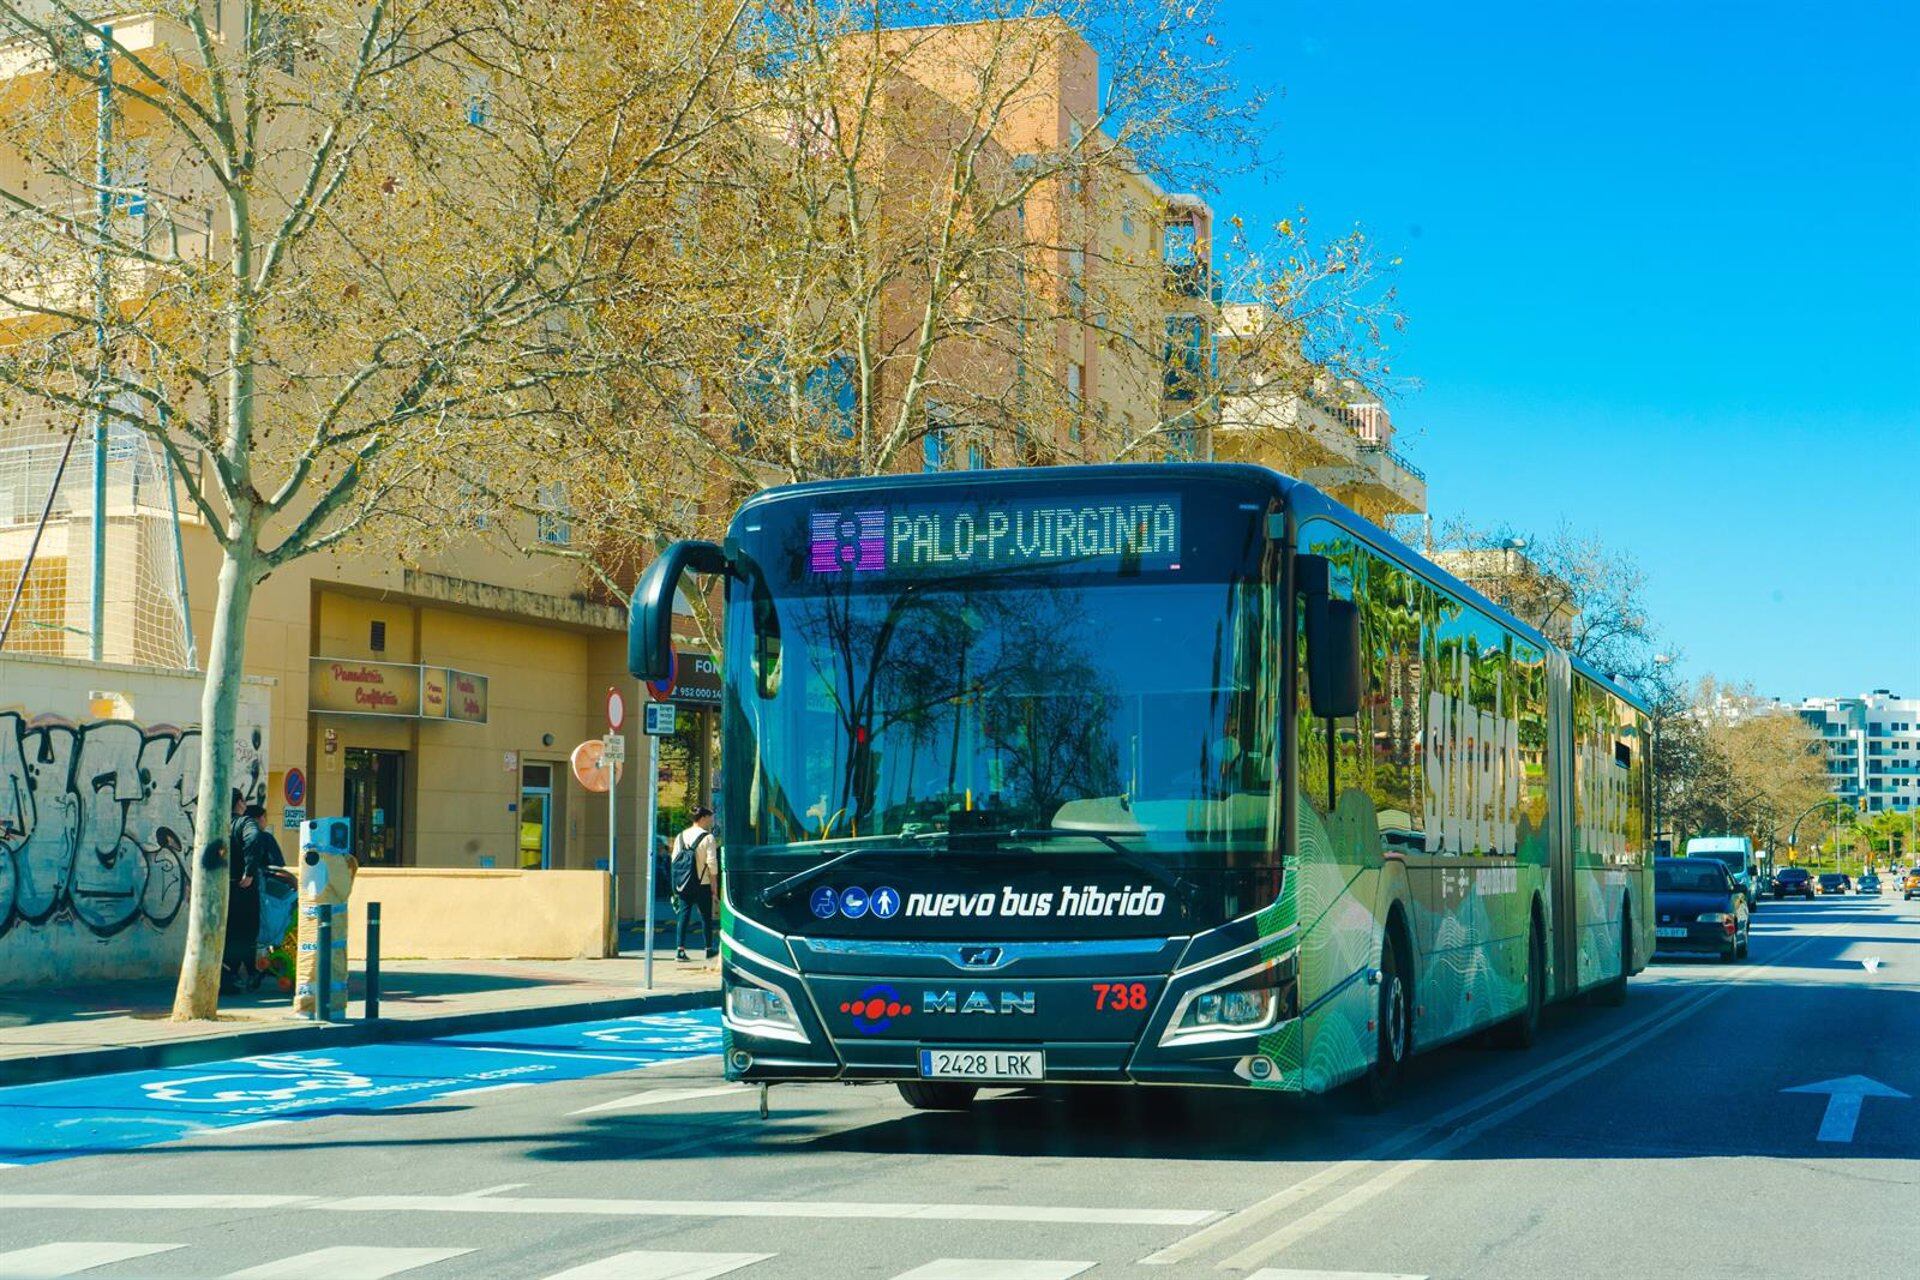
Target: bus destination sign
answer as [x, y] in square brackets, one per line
[911, 539]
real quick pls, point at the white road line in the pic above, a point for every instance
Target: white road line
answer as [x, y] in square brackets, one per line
[656, 1097]
[71, 1257]
[248, 1127]
[164, 1203]
[1253, 1215]
[994, 1269]
[1281, 1273]
[844, 1209]
[484, 1088]
[347, 1262]
[494, 1191]
[568, 1055]
[652, 1264]
[1393, 1175]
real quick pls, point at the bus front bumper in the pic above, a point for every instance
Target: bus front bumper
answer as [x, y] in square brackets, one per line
[783, 1025]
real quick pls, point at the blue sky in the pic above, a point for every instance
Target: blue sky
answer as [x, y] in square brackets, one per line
[1662, 269]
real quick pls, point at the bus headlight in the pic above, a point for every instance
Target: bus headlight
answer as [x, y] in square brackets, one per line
[1251, 999]
[757, 1009]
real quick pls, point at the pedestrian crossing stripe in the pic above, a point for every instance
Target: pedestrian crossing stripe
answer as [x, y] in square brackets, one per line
[71, 1257]
[347, 1262]
[372, 1262]
[655, 1264]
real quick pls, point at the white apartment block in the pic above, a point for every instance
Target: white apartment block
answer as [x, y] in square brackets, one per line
[1872, 748]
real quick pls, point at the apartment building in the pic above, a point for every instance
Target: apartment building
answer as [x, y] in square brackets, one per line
[434, 699]
[1276, 409]
[1872, 748]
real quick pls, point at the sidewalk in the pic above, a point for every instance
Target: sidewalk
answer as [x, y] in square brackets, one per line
[55, 1033]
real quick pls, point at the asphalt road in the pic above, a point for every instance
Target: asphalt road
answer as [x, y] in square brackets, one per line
[1663, 1138]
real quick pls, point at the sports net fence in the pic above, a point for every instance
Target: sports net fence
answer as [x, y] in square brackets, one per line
[144, 611]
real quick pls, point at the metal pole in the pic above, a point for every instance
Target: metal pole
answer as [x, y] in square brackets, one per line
[179, 552]
[373, 961]
[33, 547]
[323, 970]
[613, 854]
[102, 301]
[652, 791]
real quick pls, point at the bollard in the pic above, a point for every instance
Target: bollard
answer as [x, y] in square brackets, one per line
[324, 994]
[373, 961]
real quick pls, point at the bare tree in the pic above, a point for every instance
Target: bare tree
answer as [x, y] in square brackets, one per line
[321, 252]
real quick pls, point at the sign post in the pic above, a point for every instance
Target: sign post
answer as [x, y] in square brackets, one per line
[616, 717]
[659, 723]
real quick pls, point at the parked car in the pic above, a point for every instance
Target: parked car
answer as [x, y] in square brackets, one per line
[1793, 882]
[1911, 889]
[1835, 882]
[1698, 908]
[1869, 883]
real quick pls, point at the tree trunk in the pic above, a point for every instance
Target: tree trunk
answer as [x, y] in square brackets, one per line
[198, 993]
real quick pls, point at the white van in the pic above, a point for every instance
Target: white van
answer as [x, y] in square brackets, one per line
[1737, 853]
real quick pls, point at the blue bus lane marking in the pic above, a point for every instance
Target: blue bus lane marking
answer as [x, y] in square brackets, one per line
[60, 1119]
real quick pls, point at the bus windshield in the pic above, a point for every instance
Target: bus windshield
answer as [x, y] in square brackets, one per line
[1095, 708]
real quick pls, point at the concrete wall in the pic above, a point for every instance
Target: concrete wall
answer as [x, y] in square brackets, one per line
[448, 913]
[99, 769]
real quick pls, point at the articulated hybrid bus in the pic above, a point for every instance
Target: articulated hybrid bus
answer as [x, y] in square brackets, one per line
[1176, 774]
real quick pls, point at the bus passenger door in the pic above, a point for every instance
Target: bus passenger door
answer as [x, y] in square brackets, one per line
[1563, 950]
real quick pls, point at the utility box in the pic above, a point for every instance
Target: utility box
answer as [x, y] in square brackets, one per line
[327, 866]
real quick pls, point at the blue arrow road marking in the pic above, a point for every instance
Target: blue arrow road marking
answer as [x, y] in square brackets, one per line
[90, 1115]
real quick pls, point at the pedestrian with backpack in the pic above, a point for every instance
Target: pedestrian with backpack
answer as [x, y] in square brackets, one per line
[694, 872]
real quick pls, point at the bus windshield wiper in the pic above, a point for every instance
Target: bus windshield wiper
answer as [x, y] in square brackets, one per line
[780, 889]
[1109, 836]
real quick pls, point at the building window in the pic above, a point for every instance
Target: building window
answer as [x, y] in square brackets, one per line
[933, 450]
[479, 98]
[552, 525]
[1076, 278]
[976, 459]
[1076, 383]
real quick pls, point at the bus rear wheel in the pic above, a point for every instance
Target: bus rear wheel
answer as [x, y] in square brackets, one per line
[1614, 994]
[1393, 1020]
[937, 1095]
[1521, 1030]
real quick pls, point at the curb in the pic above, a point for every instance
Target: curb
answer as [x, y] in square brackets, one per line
[313, 1035]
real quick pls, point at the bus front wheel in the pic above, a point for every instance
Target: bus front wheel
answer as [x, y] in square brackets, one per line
[937, 1095]
[1393, 1020]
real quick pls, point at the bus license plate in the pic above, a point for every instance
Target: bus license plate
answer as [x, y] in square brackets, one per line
[1670, 933]
[982, 1064]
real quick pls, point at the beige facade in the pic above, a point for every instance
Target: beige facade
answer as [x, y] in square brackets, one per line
[1277, 410]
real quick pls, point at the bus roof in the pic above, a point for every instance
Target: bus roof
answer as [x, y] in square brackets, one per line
[1299, 497]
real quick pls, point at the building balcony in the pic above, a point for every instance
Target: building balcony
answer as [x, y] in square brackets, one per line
[43, 265]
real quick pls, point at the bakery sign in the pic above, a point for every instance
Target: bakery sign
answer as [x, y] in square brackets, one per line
[411, 691]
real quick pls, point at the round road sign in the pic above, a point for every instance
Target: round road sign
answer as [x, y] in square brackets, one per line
[616, 710]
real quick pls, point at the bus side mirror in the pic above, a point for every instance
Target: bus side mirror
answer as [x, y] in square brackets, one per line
[650, 620]
[1333, 657]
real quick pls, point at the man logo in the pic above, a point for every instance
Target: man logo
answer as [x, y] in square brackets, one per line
[980, 957]
[875, 1009]
[1010, 1002]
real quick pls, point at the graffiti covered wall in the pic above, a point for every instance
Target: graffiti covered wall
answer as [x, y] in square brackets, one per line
[96, 817]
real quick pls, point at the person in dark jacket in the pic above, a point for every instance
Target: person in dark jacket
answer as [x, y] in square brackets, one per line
[243, 897]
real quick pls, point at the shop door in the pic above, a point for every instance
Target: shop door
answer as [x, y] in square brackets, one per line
[374, 785]
[536, 816]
